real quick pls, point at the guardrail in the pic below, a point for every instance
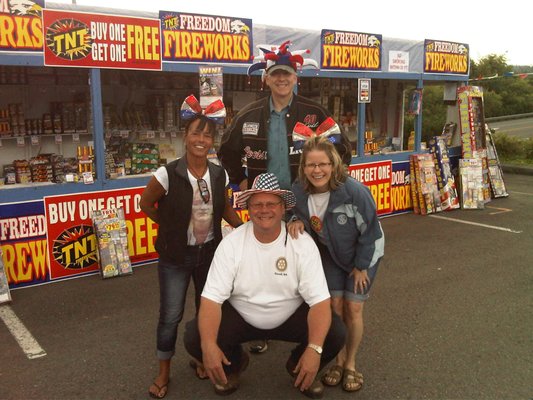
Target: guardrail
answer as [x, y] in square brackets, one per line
[509, 117]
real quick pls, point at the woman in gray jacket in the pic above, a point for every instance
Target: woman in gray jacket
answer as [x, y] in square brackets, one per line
[340, 214]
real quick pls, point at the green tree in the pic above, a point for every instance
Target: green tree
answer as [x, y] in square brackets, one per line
[489, 66]
[433, 111]
[508, 93]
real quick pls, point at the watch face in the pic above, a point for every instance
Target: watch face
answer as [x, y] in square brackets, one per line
[315, 347]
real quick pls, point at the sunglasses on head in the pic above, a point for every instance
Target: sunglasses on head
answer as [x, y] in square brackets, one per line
[204, 190]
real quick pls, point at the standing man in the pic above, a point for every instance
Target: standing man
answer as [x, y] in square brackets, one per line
[263, 284]
[261, 133]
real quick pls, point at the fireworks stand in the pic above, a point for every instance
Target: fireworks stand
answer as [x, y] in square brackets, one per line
[90, 107]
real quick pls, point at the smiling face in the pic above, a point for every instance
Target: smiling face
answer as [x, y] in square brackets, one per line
[199, 138]
[266, 212]
[318, 169]
[281, 82]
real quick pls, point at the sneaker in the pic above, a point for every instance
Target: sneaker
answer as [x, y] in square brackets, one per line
[258, 346]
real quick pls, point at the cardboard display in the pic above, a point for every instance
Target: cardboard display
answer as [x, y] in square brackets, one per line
[112, 239]
[5, 296]
[429, 200]
[471, 179]
[497, 185]
[445, 178]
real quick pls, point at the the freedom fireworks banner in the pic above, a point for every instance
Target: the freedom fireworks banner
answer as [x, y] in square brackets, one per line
[21, 25]
[446, 57]
[205, 38]
[352, 51]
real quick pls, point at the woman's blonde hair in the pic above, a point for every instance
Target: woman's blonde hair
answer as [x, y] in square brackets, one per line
[338, 170]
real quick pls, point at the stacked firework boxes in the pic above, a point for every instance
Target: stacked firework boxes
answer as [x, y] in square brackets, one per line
[473, 167]
[112, 238]
[497, 185]
[471, 180]
[424, 190]
[445, 179]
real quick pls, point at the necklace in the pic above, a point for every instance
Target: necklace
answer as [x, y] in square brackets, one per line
[195, 173]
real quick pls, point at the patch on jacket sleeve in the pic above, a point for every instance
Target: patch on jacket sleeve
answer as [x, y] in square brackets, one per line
[311, 120]
[342, 219]
[250, 128]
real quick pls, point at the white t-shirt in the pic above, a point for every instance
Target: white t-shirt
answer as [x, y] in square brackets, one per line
[201, 224]
[266, 282]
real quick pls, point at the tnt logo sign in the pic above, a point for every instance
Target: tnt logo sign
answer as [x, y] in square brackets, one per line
[69, 39]
[75, 248]
[170, 22]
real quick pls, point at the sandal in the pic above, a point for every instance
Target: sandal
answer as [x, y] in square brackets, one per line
[352, 381]
[197, 368]
[333, 376]
[161, 391]
[233, 377]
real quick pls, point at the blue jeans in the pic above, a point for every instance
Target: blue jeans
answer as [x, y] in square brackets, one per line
[174, 280]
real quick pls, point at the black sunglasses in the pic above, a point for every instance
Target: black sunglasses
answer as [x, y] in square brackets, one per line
[204, 190]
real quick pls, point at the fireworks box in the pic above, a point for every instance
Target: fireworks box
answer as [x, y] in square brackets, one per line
[445, 178]
[112, 239]
[471, 180]
[425, 181]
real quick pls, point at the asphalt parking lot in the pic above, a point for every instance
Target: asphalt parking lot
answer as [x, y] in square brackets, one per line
[450, 316]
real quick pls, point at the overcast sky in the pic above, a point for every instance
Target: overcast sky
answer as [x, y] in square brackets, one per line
[503, 29]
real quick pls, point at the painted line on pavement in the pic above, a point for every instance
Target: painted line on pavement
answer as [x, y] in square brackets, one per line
[527, 194]
[26, 341]
[499, 228]
[500, 210]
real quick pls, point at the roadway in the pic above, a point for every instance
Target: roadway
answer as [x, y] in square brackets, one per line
[450, 317]
[522, 128]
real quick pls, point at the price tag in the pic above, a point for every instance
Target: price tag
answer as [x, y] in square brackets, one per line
[162, 135]
[35, 140]
[124, 134]
[87, 177]
[364, 90]
[76, 137]
[173, 134]
[59, 139]
[20, 141]
[150, 134]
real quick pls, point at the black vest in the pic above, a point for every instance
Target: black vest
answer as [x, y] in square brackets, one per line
[175, 209]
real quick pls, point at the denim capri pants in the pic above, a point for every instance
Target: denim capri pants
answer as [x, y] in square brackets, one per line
[340, 282]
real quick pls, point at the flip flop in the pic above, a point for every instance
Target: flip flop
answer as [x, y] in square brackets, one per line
[333, 376]
[163, 388]
[352, 381]
[195, 365]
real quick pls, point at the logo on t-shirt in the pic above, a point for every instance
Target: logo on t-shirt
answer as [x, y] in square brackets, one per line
[281, 264]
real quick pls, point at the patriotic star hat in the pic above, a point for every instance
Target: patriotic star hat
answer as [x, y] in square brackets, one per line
[281, 58]
[266, 183]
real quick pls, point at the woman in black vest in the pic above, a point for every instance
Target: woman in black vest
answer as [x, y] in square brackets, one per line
[187, 198]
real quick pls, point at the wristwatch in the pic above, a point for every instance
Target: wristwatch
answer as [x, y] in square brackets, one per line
[315, 347]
